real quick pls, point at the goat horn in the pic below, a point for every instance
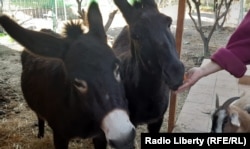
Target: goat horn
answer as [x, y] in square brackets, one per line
[242, 93]
[217, 102]
[229, 101]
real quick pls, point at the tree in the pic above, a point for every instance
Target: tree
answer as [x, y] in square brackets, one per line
[81, 12]
[164, 3]
[219, 15]
[82, 15]
[1, 11]
[1, 7]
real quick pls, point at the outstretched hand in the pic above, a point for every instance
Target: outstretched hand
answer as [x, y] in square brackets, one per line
[191, 77]
[196, 73]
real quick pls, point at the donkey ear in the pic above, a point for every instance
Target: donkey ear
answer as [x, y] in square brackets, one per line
[127, 10]
[95, 22]
[36, 42]
[149, 4]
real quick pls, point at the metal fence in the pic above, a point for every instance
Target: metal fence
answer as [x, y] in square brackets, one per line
[35, 13]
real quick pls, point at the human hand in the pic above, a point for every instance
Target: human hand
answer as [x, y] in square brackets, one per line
[190, 78]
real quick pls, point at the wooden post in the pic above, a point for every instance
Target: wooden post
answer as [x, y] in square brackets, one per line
[178, 38]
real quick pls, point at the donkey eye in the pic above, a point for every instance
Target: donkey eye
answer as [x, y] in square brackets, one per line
[117, 73]
[168, 25]
[168, 21]
[135, 36]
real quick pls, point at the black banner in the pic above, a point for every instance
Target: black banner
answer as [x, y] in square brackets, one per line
[194, 140]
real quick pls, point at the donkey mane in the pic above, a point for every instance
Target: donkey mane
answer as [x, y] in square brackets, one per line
[73, 29]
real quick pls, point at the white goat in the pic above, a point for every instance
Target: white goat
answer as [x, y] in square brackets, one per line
[232, 116]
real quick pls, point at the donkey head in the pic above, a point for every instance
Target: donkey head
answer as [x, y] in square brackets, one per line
[152, 42]
[91, 69]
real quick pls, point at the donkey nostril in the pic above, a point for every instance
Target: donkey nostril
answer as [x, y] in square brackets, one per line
[126, 142]
[118, 144]
[112, 143]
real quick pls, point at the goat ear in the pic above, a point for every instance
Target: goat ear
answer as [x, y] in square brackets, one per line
[81, 85]
[234, 118]
[36, 42]
[95, 22]
[247, 108]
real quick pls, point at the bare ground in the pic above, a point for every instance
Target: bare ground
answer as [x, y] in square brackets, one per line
[18, 124]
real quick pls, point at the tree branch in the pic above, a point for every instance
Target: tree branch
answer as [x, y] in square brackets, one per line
[110, 20]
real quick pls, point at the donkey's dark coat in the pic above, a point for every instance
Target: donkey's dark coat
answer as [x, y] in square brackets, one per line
[73, 83]
[150, 63]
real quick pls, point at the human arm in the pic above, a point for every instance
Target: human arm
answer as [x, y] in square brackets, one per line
[236, 54]
[233, 57]
[196, 73]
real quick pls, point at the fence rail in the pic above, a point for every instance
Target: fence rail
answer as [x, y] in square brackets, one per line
[26, 11]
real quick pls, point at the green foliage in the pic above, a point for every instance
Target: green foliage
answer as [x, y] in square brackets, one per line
[2, 34]
[37, 3]
[247, 5]
[131, 2]
[207, 8]
[6, 37]
[93, 1]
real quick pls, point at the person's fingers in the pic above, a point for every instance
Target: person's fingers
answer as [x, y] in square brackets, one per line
[187, 84]
[190, 73]
[190, 78]
[182, 88]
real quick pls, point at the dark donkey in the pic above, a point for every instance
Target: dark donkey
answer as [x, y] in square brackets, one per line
[74, 84]
[150, 63]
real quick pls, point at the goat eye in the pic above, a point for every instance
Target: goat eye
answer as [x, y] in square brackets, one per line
[225, 120]
[117, 73]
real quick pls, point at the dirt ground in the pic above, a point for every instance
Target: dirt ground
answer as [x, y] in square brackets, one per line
[18, 124]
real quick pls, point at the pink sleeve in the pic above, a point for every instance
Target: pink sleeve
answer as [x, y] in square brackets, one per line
[236, 55]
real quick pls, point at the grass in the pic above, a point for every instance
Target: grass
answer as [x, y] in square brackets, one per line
[2, 35]
[6, 37]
